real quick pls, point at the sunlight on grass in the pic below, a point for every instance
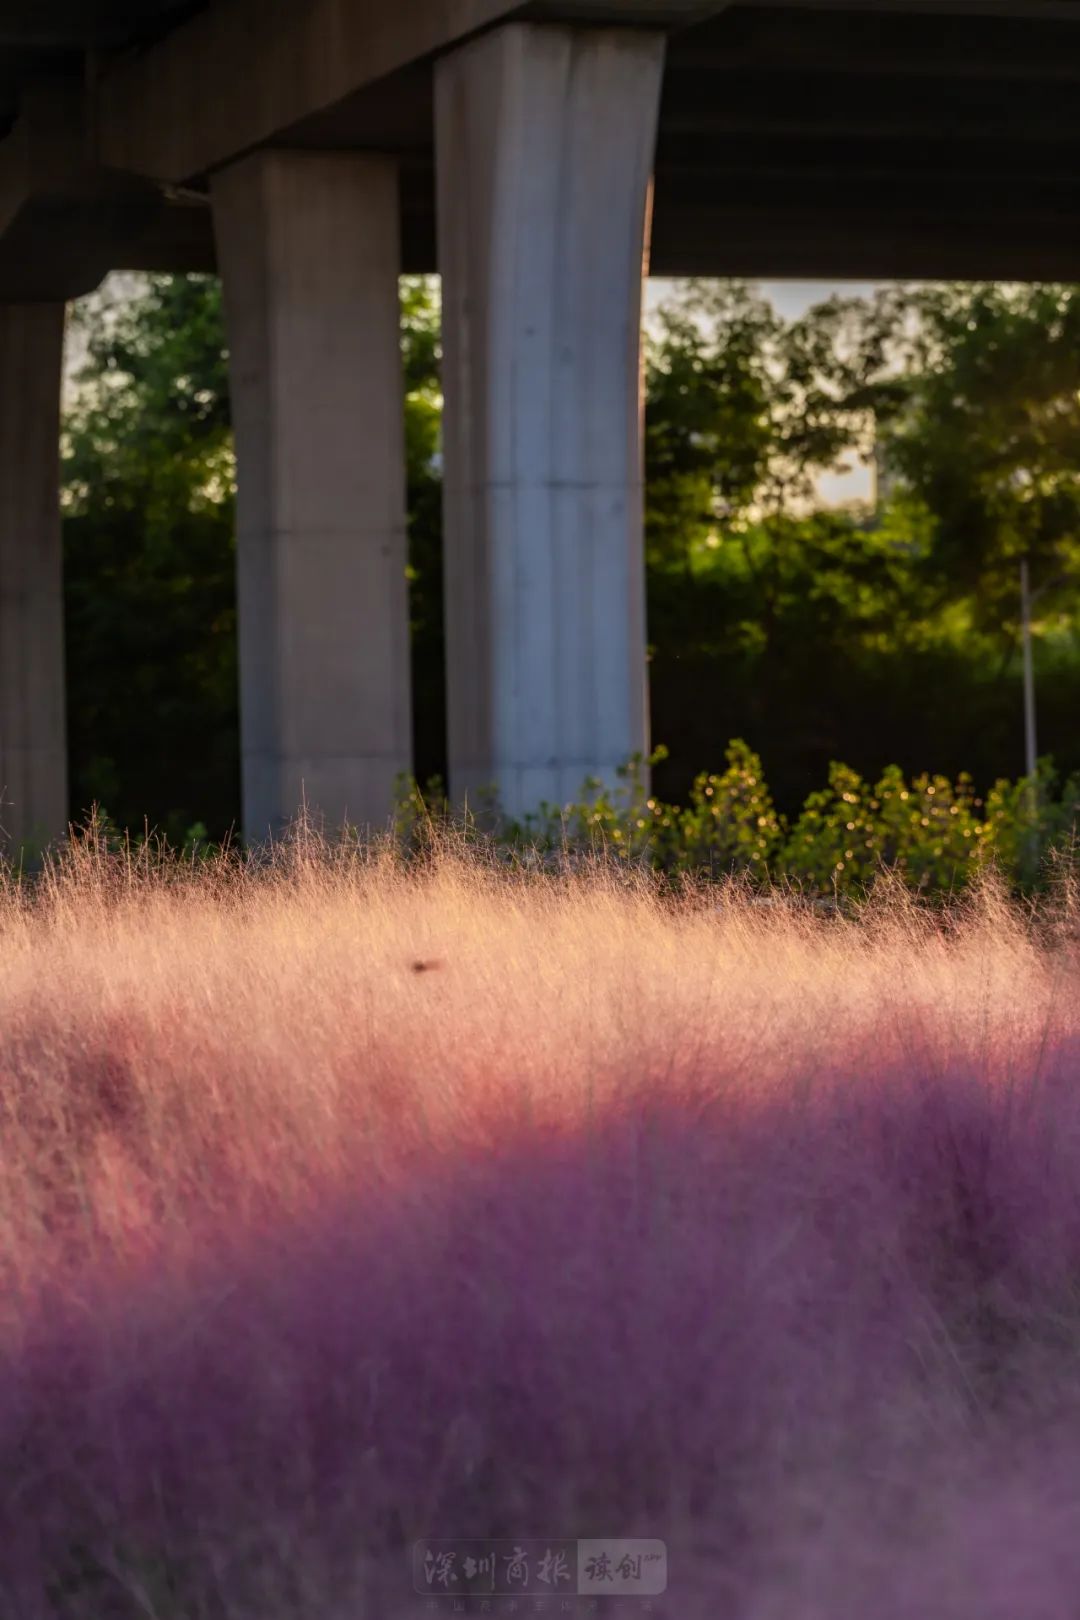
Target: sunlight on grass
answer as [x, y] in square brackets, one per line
[344, 1202]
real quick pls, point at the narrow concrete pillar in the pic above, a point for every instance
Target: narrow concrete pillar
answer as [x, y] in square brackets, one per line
[545, 140]
[33, 747]
[308, 245]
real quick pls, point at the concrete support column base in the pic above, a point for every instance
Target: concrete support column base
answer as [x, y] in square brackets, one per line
[309, 251]
[545, 140]
[33, 748]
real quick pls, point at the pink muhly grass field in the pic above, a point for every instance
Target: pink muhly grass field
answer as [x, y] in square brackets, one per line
[344, 1203]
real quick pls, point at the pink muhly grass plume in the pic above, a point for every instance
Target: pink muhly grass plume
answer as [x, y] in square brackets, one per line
[749, 1229]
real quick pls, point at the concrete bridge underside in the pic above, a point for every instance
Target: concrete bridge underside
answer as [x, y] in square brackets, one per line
[539, 156]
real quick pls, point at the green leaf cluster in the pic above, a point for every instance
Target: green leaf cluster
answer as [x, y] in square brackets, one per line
[819, 633]
[932, 833]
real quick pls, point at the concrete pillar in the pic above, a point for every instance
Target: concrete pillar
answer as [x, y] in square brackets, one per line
[545, 140]
[33, 749]
[308, 245]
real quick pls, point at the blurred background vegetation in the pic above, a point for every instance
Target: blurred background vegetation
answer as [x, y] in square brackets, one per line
[884, 633]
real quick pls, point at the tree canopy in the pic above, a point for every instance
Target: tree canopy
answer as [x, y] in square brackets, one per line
[817, 633]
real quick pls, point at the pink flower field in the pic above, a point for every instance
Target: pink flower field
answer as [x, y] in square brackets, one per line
[345, 1203]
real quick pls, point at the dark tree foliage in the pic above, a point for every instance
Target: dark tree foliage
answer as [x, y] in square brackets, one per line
[868, 635]
[420, 345]
[874, 635]
[985, 432]
[149, 556]
[149, 564]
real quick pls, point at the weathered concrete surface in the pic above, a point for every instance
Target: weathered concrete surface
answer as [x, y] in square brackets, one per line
[309, 251]
[254, 67]
[874, 138]
[240, 73]
[65, 222]
[33, 760]
[544, 149]
[867, 138]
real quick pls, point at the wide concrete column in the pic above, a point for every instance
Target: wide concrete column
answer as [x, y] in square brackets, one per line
[545, 140]
[309, 252]
[33, 748]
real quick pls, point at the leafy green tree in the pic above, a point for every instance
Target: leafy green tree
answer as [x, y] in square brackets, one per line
[980, 422]
[971, 396]
[708, 432]
[420, 336]
[744, 411]
[816, 634]
[149, 562]
[149, 553]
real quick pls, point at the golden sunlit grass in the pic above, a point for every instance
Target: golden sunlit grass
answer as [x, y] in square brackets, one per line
[345, 1201]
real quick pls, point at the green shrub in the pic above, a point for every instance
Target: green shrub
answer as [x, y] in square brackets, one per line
[933, 833]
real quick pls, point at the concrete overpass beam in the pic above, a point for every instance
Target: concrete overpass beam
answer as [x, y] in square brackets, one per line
[309, 247]
[33, 757]
[545, 140]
